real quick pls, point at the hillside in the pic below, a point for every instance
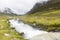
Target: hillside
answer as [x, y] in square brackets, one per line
[50, 5]
[46, 16]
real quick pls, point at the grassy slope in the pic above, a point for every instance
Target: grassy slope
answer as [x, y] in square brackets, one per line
[5, 29]
[48, 20]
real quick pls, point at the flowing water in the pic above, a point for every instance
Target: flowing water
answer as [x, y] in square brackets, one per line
[28, 30]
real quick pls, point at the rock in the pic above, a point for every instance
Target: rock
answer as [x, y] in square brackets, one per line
[7, 35]
[47, 36]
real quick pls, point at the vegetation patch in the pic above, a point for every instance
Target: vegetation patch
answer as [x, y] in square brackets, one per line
[7, 33]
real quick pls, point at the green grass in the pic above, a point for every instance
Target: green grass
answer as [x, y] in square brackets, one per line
[5, 29]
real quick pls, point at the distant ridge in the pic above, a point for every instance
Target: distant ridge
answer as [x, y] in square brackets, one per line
[7, 11]
[50, 5]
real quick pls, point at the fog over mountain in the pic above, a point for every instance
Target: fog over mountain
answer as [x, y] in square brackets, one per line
[19, 6]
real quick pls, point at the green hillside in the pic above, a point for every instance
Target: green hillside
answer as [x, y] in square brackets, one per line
[45, 16]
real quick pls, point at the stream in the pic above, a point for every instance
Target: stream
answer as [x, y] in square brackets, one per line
[28, 30]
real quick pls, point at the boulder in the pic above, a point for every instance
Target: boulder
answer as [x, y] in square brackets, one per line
[47, 36]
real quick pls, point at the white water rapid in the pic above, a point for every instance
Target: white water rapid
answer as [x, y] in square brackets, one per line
[28, 31]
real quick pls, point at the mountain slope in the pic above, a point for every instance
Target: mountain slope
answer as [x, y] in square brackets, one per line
[50, 5]
[45, 16]
[8, 11]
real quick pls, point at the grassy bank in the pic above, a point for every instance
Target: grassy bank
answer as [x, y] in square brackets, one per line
[7, 33]
[47, 20]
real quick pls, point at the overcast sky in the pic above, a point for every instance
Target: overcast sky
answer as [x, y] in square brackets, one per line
[19, 6]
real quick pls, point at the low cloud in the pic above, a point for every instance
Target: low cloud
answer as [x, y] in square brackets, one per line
[19, 6]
